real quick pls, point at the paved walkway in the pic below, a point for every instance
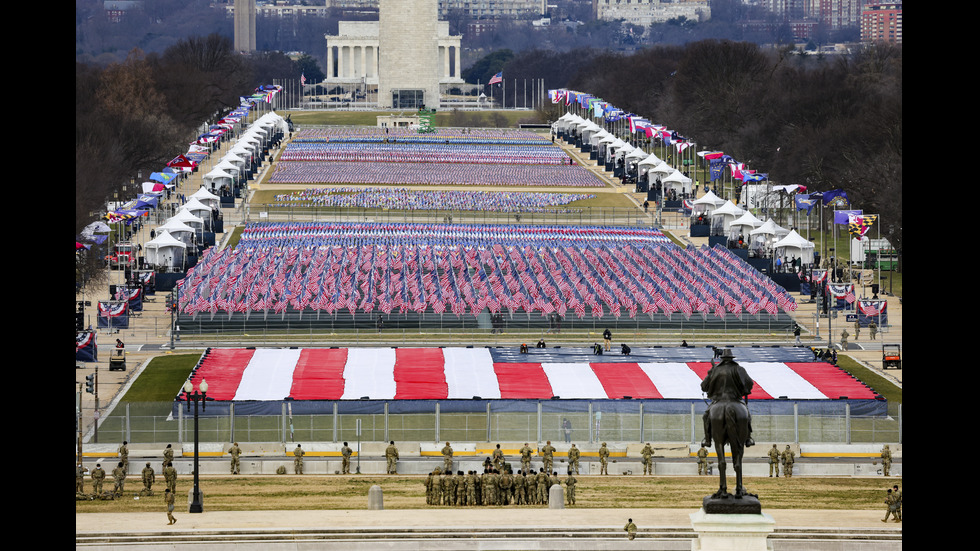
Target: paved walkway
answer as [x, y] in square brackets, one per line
[453, 519]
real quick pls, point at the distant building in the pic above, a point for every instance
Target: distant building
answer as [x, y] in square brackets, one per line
[475, 9]
[882, 22]
[116, 10]
[407, 56]
[840, 14]
[647, 12]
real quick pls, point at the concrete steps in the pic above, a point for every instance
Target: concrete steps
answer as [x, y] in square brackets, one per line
[665, 538]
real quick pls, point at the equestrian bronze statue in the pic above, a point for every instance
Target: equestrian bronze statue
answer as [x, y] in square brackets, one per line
[727, 421]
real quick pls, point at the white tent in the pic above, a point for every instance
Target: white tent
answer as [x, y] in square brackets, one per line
[178, 230]
[165, 250]
[766, 235]
[188, 218]
[793, 246]
[218, 179]
[198, 209]
[207, 198]
[676, 180]
[743, 225]
[723, 216]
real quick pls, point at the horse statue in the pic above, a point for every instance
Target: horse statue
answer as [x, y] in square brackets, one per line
[727, 420]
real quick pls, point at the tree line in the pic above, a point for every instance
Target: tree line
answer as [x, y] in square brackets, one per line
[131, 118]
[826, 122]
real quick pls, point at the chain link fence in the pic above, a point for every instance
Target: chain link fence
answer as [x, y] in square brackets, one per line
[485, 422]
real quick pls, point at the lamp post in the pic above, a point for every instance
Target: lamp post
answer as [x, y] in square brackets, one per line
[191, 395]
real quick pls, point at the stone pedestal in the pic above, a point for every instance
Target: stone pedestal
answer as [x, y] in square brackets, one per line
[376, 498]
[556, 497]
[728, 532]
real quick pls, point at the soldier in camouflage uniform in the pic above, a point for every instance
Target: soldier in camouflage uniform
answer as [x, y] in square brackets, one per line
[149, 477]
[647, 454]
[98, 476]
[604, 459]
[391, 455]
[548, 456]
[542, 480]
[526, 453]
[119, 477]
[789, 457]
[170, 476]
[447, 455]
[703, 460]
[519, 488]
[774, 461]
[498, 458]
[235, 453]
[573, 457]
[570, 483]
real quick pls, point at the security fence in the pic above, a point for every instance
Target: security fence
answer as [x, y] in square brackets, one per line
[489, 421]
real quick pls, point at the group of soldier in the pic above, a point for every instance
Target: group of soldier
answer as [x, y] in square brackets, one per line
[496, 486]
[119, 473]
[787, 457]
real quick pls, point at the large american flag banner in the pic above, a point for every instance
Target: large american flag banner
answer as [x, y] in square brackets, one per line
[462, 373]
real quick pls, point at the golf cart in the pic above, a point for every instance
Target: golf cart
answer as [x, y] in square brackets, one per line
[891, 356]
[117, 359]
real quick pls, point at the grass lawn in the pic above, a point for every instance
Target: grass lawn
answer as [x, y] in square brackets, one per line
[333, 492]
[370, 118]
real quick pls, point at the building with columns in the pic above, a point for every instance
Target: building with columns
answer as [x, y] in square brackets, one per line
[406, 57]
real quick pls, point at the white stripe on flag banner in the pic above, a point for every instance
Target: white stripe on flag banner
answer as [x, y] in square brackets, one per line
[269, 375]
[369, 372]
[469, 373]
[777, 379]
[573, 380]
[673, 380]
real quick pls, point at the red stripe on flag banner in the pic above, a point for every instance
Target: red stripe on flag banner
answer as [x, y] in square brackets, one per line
[519, 381]
[319, 374]
[832, 381]
[625, 379]
[701, 368]
[420, 374]
[223, 369]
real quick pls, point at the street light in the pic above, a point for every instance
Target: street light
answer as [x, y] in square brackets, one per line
[191, 395]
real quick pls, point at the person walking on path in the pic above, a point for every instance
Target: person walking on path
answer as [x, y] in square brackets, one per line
[886, 460]
[630, 529]
[703, 460]
[604, 459]
[892, 507]
[168, 499]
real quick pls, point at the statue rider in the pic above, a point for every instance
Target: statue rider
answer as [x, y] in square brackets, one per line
[726, 381]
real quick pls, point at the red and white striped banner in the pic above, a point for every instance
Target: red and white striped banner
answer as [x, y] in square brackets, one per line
[462, 373]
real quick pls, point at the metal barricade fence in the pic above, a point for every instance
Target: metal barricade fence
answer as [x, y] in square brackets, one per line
[135, 424]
